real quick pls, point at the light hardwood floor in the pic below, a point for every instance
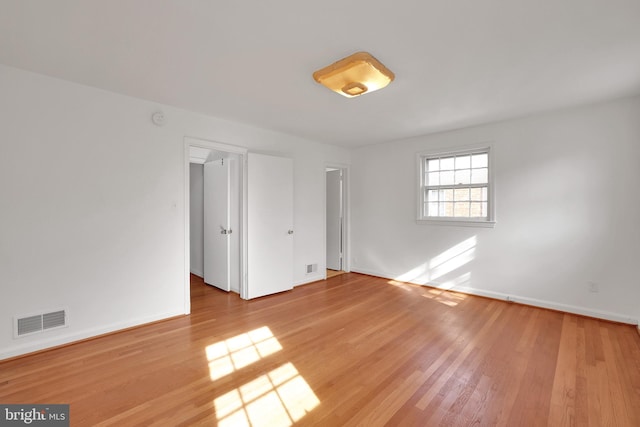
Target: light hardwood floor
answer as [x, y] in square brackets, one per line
[333, 273]
[351, 350]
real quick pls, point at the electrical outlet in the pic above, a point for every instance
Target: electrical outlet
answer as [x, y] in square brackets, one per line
[593, 287]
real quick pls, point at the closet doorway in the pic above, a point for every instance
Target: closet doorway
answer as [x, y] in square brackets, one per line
[335, 221]
[215, 217]
[257, 236]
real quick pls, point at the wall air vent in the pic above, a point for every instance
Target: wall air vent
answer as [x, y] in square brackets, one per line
[54, 319]
[28, 325]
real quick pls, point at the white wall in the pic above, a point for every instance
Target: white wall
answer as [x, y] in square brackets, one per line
[196, 213]
[93, 208]
[567, 204]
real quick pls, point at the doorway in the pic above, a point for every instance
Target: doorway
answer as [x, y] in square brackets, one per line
[201, 154]
[336, 259]
[215, 217]
[265, 236]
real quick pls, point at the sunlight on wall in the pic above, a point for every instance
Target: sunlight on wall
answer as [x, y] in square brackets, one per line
[418, 275]
[463, 280]
[242, 350]
[452, 258]
[277, 399]
[442, 264]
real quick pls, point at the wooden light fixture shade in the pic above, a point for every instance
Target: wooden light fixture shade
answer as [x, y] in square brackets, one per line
[355, 75]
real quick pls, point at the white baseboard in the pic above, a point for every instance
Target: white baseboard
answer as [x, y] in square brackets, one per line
[584, 311]
[309, 279]
[42, 344]
[371, 273]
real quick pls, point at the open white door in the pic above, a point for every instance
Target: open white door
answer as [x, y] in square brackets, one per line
[269, 225]
[216, 225]
[334, 219]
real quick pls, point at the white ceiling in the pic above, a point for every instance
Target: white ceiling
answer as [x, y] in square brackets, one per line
[457, 62]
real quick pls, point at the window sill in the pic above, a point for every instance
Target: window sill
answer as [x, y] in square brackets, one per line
[457, 222]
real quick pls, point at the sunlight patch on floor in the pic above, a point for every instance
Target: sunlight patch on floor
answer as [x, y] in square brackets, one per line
[442, 293]
[402, 285]
[445, 297]
[242, 350]
[277, 399]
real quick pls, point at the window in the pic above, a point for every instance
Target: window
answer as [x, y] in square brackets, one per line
[456, 188]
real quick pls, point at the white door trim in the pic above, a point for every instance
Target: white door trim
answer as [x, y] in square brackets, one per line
[346, 214]
[242, 152]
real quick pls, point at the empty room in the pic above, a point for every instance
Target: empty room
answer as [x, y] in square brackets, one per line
[358, 213]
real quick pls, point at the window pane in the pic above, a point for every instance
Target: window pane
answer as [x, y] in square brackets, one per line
[446, 209]
[476, 194]
[476, 209]
[446, 178]
[480, 161]
[479, 176]
[463, 176]
[461, 194]
[462, 209]
[455, 186]
[446, 163]
[463, 162]
[434, 178]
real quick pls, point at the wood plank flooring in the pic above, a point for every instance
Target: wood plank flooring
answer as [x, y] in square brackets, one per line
[333, 273]
[352, 350]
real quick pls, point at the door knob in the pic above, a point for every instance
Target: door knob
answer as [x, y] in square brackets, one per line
[290, 232]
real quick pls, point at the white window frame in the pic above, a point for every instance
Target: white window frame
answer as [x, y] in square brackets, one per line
[421, 158]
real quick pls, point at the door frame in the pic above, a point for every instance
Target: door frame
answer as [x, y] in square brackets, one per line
[346, 215]
[242, 153]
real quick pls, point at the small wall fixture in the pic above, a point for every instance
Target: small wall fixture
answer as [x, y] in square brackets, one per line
[355, 75]
[158, 118]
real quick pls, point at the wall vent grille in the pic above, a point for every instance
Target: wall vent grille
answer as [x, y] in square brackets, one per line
[29, 325]
[54, 319]
[40, 322]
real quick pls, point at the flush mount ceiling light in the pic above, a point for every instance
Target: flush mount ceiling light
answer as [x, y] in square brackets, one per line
[354, 75]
